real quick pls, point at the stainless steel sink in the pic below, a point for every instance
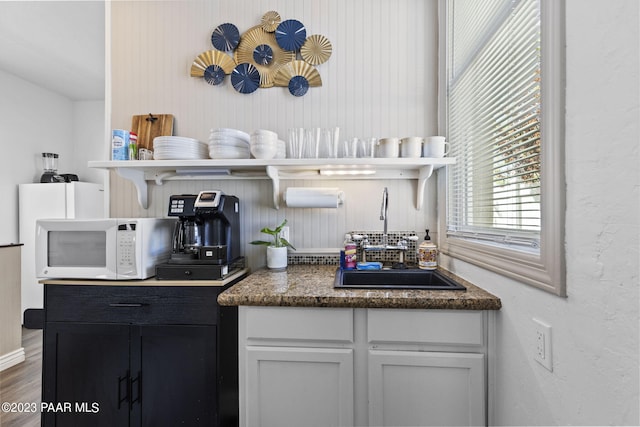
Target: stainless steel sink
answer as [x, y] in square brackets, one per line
[395, 279]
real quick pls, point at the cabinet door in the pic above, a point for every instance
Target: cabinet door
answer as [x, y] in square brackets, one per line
[174, 379]
[298, 387]
[86, 364]
[409, 388]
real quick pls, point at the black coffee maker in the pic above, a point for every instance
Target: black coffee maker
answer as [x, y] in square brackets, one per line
[206, 240]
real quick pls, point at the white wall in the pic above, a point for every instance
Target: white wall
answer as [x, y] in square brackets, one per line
[88, 139]
[595, 329]
[37, 120]
[371, 89]
[381, 80]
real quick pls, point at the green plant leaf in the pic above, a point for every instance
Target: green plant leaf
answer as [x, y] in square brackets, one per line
[267, 230]
[279, 228]
[286, 243]
[278, 241]
[261, 242]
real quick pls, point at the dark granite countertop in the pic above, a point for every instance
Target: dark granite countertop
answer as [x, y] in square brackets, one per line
[312, 286]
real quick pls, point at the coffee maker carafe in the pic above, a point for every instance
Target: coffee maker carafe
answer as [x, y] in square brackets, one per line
[206, 240]
[186, 235]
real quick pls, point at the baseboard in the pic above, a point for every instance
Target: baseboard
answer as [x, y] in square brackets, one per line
[10, 359]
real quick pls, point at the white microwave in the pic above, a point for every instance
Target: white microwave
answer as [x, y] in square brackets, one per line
[106, 249]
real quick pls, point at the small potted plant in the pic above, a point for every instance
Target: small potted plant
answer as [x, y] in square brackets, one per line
[277, 248]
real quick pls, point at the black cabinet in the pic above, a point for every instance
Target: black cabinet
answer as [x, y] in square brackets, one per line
[139, 356]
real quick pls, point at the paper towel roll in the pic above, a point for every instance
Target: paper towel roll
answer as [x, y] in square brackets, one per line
[313, 197]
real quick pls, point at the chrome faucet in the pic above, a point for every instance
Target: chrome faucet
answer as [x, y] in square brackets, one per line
[384, 214]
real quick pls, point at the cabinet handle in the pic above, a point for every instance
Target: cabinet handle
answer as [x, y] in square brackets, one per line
[125, 304]
[138, 389]
[126, 381]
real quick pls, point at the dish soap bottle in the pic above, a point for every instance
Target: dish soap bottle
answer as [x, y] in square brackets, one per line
[427, 254]
[349, 252]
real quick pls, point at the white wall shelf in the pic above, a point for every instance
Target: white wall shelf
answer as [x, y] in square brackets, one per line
[141, 172]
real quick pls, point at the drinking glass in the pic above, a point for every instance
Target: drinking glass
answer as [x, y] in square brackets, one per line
[295, 143]
[366, 147]
[311, 141]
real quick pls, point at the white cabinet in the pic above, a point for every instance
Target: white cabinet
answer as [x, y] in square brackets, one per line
[359, 367]
[298, 387]
[296, 367]
[412, 388]
[426, 367]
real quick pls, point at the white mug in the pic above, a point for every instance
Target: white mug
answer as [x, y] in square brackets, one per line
[144, 154]
[411, 146]
[435, 146]
[388, 147]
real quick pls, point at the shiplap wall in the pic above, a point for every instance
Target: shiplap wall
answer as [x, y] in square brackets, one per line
[381, 80]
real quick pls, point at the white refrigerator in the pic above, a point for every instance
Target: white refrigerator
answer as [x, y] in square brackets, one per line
[50, 200]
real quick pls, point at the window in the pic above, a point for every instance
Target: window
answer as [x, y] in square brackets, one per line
[504, 120]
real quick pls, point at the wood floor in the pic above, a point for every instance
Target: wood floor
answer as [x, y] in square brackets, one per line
[22, 383]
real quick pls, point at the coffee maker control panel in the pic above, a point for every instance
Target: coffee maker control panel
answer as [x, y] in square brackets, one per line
[208, 199]
[182, 205]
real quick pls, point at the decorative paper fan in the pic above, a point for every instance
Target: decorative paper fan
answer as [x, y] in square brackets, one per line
[253, 44]
[316, 49]
[291, 34]
[245, 78]
[270, 21]
[212, 65]
[298, 76]
[263, 54]
[298, 85]
[225, 37]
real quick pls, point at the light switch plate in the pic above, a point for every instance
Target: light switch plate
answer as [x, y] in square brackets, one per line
[284, 233]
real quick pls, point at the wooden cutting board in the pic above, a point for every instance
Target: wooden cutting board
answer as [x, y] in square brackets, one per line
[149, 126]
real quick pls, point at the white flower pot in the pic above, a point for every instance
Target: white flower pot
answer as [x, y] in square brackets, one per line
[276, 257]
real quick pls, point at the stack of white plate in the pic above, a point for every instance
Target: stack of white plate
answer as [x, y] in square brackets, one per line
[228, 144]
[264, 144]
[178, 148]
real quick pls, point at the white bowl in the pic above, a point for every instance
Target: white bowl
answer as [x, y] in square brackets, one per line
[263, 140]
[263, 132]
[264, 143]
[226, 132]
[265, 152]
[218, 152]
[281, 152]
[229, 142]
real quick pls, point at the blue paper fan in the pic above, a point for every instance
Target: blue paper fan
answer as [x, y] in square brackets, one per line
[214, 74]
[225, 37]
[291, 34]
[298, 85]
[263, 54]
[245, 78]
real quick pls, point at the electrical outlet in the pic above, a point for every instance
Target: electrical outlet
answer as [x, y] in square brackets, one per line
[284, 233]
[542, 344]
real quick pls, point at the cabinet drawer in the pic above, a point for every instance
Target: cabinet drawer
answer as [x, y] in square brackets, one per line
[298, 323]
[445, 327]
[131, 304]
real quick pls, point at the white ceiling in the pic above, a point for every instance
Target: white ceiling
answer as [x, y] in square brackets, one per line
[58, 45]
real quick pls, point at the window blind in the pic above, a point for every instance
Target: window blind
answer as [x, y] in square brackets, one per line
[493, 121]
